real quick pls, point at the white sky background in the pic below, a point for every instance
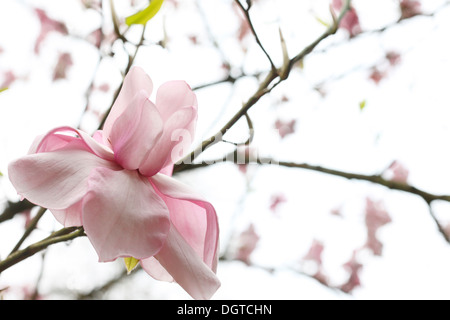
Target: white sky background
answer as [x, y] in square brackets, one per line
[405, 118]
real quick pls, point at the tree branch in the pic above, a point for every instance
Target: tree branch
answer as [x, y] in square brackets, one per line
[246, 12]
[62, 235]
[376, 179]
[265, 87]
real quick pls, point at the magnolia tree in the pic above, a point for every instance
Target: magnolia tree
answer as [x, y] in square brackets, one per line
[224, 149]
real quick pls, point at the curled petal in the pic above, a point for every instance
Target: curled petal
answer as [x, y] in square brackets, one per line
[135, 81]
[55, 180]
[123, 216]
[173, 96]
[70, 217]
[155, 269]
[135, 132]
[194, 217]
[174, 134]
[66, 138]
[185, 266]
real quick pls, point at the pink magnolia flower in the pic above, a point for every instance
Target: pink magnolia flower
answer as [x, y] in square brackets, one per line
[117, 185]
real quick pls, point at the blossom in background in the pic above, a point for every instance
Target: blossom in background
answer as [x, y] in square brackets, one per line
[376, 217]
[9, 78]
[314, 255]
[409, 8]
[62, 66]
[47, 25]
[117, 185]
[354, 267]
[275, 201]
[247, 242]
[285, 128]
[376, 75]
[397, 172]
[393, 57]
[350, 21]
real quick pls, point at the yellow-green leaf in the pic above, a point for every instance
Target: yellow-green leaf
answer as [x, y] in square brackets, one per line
[143, 16]
[322, 22]
[3, 89]
[130, 263]
[362, 105]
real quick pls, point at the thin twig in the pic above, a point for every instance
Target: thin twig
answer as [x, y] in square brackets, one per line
[246, 12]
[376, 179]
[29, 251]
[265, 87]
[31, 226]
[131, 59]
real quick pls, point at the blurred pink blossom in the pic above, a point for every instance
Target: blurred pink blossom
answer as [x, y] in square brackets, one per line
[353, 267]
[47, 25]
[285, 127]
[409, 8]
[247, 242]
[275, 201]
[377, 75]
[376, 217]
[350, 21]
[393, 57]
[397, 172]
[9, 78]
[62, 66]
[315, 252]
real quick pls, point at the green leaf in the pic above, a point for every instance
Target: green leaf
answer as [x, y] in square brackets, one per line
[3, 89]
[362, 105]
[143, 16]
[322, 22]
[130, 263]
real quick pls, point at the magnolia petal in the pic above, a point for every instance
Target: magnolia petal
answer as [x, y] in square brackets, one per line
[174, 95]
[68, 138]
[135, 132]
[54, 180]
[155, 269]
[186, 268]
[135, 80]
[123, 216]
[70, 217]
[194, 217]
[174, 134]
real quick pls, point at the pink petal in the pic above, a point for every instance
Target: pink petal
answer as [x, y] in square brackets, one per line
[194, 217]
[135, 81]
[173, 96]
[70, 217]
[66, 138]
[175, 134]
[135, 132]
[186, 268]
[123, 216]
[156, 270]
[54, 180]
